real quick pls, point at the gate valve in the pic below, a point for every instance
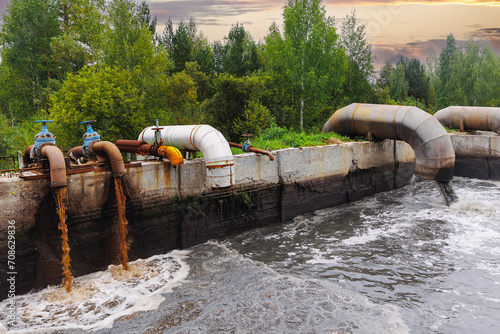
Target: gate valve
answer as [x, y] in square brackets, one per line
[158, 140]
[42, 137]
[247, 142]
[89, 137]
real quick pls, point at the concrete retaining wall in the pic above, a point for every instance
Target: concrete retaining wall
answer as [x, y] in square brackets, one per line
[169, 208]
[477, 155]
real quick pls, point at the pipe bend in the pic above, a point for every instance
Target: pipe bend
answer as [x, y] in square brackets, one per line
[56, 162]
[215, 148]
[113, 154]
[434, 154]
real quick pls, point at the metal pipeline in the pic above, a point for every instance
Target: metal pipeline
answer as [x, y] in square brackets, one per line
[253, 149]
[75, 153]
[470, 118]
[27, 160]
[56, 163]
[143, 148]
[113, 154]
[215, 148]
[434, 154]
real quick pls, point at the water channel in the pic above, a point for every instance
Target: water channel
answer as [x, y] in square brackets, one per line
[397, 262]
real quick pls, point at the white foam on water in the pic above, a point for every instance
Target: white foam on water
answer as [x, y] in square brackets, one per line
[98, 299]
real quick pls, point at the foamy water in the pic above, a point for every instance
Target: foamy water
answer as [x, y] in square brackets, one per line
[98, 299]
[440, 264]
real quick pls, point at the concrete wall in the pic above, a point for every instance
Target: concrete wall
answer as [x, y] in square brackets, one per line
[477, 155]
[170, 208]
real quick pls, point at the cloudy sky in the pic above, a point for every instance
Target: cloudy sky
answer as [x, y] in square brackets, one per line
[412, 28]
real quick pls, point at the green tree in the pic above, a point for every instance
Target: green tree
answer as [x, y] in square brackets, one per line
[127, 41]
[398, 85]
[418, 80]
[106, 94]
[232, 97]
[182, 47]
[307, 57]
[360, 70]
[25, 37]
[240, 56]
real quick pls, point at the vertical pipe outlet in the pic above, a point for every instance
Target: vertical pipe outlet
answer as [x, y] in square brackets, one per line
[56, 163]
[112, 152]
[215, 148]
[434, 154]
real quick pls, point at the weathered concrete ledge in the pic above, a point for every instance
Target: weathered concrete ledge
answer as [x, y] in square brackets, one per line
[477, 155]
[169, 208]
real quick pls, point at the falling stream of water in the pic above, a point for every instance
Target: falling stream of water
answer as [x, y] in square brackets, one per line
[120, 202]
[60, 195]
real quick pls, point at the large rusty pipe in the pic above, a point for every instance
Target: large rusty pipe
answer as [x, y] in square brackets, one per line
[113, 154]
[75, 153]
[470, 118]
[143, 148]
[27, 156]
[253, 149]
[56, 163]
[434, 154]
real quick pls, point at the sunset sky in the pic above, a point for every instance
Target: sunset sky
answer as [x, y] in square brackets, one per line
[411, 28]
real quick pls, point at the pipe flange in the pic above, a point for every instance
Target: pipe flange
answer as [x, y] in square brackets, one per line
[39, 149]
[91, 154]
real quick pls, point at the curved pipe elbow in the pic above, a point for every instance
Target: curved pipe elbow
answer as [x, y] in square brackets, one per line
[56, 162]
[113, 154]
[215, 148]
[170, 152]
[470, 118]
[434, 154]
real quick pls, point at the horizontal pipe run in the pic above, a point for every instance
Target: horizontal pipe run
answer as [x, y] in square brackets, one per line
[434, 154]
[253, 149]
[470, 118]
[113, 154]
[75, 153]
[56, 163]
[143, 148]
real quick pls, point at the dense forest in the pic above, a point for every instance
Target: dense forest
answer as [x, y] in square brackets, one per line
[76, 60]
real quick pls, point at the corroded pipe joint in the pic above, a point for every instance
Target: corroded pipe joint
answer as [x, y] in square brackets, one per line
[56, 163]
[253, 149]
[75, 153]
[27, 160]
[113, 154]
[434, 154]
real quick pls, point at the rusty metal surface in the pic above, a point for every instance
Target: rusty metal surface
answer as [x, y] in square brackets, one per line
[57, 164]
[434, 154]
[253, 149]
[113, 154]
[143, 148]
[470, 118]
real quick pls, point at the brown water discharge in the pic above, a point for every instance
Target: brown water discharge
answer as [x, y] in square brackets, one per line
[60, 195]
[120, 201]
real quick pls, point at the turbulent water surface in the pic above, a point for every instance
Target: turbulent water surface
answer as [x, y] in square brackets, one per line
[398, 262]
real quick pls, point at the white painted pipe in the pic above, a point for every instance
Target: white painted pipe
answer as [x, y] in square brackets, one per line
[215, 148]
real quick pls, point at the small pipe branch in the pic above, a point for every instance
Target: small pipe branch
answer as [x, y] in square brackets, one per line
[253, 149]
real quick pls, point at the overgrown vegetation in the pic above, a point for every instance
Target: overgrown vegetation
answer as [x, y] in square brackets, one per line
[74, 60]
